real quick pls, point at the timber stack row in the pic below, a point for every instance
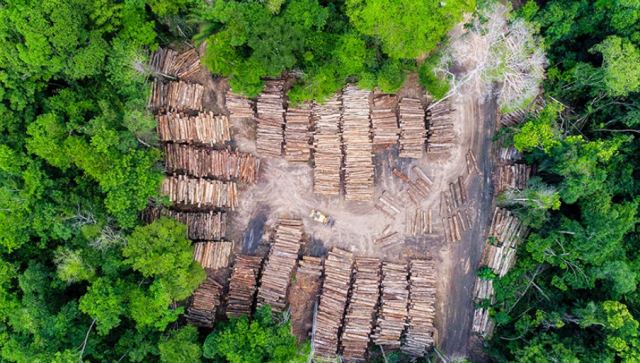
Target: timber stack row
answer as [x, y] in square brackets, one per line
[421, 332]
[333, 300]
[242, 285]
[442, 135]
[171, 64]
[205, 302]
[392, 316]
[412, 128]
[239, 107]
[515, 176]
[384, 120]
[270, 120]
[201, 226]
[280, 264]
[200, 193]
[204, 128]
[176, 96]
[327, 144]
[357, 146]
[297, 134]
[213, 255]
[361, 311]
[209, 163]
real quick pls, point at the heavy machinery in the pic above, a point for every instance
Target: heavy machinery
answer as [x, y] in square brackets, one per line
[320, 217]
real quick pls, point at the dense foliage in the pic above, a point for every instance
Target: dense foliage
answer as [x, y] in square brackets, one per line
[263, 339]
[325, 43]
[573, 295]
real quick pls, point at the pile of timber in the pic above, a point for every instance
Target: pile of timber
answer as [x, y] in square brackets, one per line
[392, 315]
[239, 107]
[360, 315]
[206, 162]
[442, 135]
[169, 63]
[418, 222]
[509, 155]
[421, 332]
[204, 303]
[201, 226]
[200, 193]
[280, 263]
[303, 296]
[505, 233]
[412, 128]
[518, 116]
[357, 146]
[514, 176]
[242, 285]
[388, 239]
[213, 255]
[483, 290]
[327, 142]
[204, 128]
[417, 189]
[270, 120]
[389, 204]
[482, 323]
[333, 300]
[384, 120]
[176, 96]
[297, 134]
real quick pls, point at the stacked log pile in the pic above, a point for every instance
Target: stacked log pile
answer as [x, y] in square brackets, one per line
[357, 146]
[442, 135]
[204, 303]
[392, 315]
[206, 162]
[421, 332]
[472, 163]
[483, 290]
[333, 300]
[389, 204]
[327, 142]
[242, 285]
[170, 63]
[455, 215]
[418, 188]
[388, 239]
[482, 323]
[280, 264]
[297, 134]
[304, 295]
[384, 120]
[239, 107]
[176, 96]
[200, 193]
[418, 222]
[514, 176]
[505, 233]
[204, 128]
[201, 226]
[412, 128]
[509, 155]
[270, 120]
[359, 319]
[213, 255]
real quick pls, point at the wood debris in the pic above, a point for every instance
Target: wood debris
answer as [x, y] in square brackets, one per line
[239, 107]
[213, 255]
[518, 116]
[333, 300]
[242, 285]
[392, 315]
[417, 190]
[442, 135]
[327, 145]
[412, 128]
[389, 204]
[204, 303]
[204, 128]
[297, 133]
[280, 264]
[201, 226]
[176, 97]
[384, 120]
[303, 296]
[270, 120]
[421, 333]
[514, 176]
[169, 63]
[388, 239]
[200, 193]
[360, 315]
[206, 162]
[357, 146]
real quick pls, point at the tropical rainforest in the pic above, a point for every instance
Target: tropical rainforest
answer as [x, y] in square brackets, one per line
[82, 278]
